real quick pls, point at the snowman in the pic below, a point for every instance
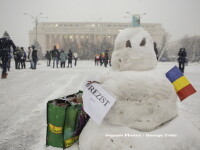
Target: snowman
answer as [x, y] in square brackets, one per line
[146, 100]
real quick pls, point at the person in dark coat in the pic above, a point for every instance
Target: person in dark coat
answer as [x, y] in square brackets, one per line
[0, 63]
[101, 59]
[34, 57]
[17, 57]
[70, 55]
[55, 56]
[182, 59]
[5, 44]
[48, 57]
[58, 56]
[23, 58]
[155, 49]
[106, 58]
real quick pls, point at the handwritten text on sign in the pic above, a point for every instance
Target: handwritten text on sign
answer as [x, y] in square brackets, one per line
[96, 101]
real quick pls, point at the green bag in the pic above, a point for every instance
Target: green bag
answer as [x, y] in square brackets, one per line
[65, 120]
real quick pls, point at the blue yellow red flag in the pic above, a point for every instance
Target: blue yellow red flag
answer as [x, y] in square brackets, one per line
[181, 84]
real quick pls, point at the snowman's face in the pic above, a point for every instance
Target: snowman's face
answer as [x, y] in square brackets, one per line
[133, 51]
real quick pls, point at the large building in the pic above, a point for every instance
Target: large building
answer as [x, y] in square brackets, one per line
[57, 33]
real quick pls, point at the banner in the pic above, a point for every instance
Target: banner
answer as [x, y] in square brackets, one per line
[96, 101]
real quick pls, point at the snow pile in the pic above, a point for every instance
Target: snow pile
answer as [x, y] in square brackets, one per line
[178, 134]
[139, 56]
[24, 94]
[146, 101]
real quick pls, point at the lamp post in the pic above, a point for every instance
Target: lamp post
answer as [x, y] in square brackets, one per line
[36, 18]
[193, 53]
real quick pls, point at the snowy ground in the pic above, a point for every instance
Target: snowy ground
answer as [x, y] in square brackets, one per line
[23, 98]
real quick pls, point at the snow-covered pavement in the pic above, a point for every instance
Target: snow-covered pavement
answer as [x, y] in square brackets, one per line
[23, 98]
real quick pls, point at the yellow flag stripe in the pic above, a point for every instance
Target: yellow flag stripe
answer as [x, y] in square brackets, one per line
[180, 83]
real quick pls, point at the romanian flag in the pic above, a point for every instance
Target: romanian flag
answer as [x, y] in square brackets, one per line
[180, 83]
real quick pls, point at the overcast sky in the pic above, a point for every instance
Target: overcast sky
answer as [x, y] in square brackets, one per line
[178, 17]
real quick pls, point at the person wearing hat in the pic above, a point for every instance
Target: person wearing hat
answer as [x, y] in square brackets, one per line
[34, 57]
[182, 59]
[5, 44]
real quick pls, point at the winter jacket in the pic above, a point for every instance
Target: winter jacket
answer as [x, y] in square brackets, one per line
[23, 55]
[5, 44]
[70, 57]
[48, 56]
[75, 55]
[17, 54]
[34, 55]
[63, 57]
[55, 53]
[182, 54]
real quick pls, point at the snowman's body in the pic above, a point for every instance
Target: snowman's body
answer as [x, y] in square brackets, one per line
[145, 98]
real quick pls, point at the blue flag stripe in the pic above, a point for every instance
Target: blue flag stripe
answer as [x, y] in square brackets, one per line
[174, 74]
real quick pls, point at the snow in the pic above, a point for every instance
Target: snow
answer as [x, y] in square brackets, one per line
[145, 99]
[168, 137]
[136, 57]
[23, 98]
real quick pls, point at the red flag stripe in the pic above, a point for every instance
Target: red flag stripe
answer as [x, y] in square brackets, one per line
[185, 92]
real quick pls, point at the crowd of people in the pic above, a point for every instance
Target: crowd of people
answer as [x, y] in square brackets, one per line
[102, 59]
[60, 56]
[20, 57]
[9, 50]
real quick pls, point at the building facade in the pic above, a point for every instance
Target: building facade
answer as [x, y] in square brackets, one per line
[58, 33]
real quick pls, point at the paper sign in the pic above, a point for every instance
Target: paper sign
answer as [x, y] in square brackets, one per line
[96, 101]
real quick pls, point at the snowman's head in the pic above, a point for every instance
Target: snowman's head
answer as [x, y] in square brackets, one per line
[133, 51]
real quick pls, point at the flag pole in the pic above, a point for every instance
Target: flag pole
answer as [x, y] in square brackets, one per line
[164, 48]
